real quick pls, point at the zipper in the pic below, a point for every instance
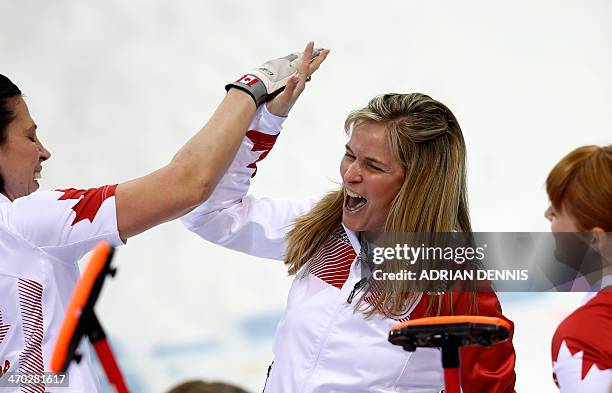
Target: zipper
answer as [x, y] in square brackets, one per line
[267, 376]
[355, 290]
[323, 341]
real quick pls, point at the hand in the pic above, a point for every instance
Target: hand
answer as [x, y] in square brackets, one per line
[310, 62]
[267, 81]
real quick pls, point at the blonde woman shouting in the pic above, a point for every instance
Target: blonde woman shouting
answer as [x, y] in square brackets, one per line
[403, 171]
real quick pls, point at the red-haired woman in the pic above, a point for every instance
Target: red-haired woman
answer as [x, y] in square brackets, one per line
[580, 191]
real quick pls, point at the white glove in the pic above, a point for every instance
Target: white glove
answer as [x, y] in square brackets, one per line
[268, 80]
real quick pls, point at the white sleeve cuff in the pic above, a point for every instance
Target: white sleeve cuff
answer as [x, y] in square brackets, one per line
[266, 122]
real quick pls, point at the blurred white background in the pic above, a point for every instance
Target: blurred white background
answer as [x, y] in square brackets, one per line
[117, 87]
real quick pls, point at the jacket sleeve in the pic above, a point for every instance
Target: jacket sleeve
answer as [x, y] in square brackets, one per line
[66, 223]
[241, 222]
[483, 369]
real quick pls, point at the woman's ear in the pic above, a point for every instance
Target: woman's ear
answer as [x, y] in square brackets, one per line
[601, 242]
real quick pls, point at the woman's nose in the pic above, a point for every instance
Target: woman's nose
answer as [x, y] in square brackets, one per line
[353, 173]
[44, 153]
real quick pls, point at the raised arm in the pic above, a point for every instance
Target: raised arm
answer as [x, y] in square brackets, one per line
[191, 176]
[241, 222]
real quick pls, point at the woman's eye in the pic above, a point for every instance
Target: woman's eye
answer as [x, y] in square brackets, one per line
[352, 157]
[376, 168]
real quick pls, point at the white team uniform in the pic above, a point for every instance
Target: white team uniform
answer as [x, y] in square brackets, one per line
[42, 236]
[321, 343]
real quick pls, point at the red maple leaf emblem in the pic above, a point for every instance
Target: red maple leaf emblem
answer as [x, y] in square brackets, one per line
[89, 201]
[261, 142]
[587, 329]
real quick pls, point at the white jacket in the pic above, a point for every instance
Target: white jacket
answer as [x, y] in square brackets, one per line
[42, 236]
[321, 343]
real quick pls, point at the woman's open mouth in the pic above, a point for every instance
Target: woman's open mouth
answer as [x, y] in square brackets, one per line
[353, 201]
[37, 172]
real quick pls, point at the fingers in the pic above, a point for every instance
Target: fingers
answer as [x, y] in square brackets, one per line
[309, 64]
[317, 61]
[291, 90]
[304, 65]
[290, 87]
[281, 105]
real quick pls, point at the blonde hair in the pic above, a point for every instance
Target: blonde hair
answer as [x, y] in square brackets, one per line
[425, 137]
[582, 183]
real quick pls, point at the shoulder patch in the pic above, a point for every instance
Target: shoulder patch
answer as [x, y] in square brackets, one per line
[89, 201]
